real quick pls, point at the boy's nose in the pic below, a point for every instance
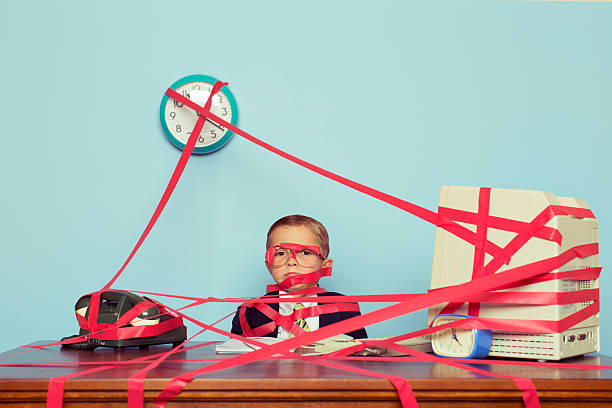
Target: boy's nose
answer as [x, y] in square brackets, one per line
[292, 261]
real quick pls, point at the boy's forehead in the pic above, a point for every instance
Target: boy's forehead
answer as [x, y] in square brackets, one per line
[294, 234]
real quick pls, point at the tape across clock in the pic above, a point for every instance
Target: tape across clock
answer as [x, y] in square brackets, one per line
[458, 342]
[178, 120]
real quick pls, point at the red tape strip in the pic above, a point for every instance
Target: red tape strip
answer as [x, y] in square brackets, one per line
[485, 278]
[418, 302]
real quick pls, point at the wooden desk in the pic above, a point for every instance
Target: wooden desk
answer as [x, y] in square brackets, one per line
[295, 383]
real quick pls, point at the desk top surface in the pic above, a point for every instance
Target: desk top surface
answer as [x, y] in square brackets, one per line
[273, 369]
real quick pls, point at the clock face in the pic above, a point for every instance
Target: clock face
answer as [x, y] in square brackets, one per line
[453, 342]
[178, 120]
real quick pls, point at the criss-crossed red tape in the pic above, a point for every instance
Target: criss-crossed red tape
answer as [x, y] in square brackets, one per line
[418, 302]
[504, 224]
[176, 175]
[116, 330]
[288, 321]
[578, 274]
[525, 385]
[527, 232]
[423, 213]
[136, 382]
[479, 289]
[484, 200]
[304, 278]
[55, 391]
[124, 319]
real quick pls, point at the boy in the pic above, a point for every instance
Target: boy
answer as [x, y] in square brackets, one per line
[296, 257]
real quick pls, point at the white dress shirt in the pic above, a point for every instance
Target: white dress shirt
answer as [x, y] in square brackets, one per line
[286, 309]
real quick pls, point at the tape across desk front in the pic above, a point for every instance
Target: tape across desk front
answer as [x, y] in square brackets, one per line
[293, 383]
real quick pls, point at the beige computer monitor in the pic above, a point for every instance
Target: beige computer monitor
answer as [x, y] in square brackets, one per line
[453, 264]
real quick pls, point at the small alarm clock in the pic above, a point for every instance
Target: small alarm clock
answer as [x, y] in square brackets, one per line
[178, 120]
[459, 342]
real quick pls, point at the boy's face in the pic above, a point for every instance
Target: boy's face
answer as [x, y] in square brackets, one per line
[295, 234]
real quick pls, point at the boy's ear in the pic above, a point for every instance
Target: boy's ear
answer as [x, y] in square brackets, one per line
[268, 266]
[328, 263]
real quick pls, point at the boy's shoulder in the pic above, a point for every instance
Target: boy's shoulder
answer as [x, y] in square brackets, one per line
[329, 294]
[275, 292]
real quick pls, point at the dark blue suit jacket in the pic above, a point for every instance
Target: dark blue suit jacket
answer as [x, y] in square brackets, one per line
[255, 318]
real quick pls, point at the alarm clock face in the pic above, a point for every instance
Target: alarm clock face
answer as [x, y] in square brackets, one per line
[458, 342]
[178, 120]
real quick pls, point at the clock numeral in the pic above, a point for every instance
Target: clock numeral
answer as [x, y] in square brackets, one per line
[220, 99]
[201, 139]
[196, 86]
[172, 115]
[224, 111]
[213, 134]
[177, 104]
[178, 128]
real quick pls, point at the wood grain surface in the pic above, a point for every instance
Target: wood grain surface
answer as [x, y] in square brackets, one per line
[292, 383]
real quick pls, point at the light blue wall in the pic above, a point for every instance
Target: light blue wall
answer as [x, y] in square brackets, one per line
[401, 96]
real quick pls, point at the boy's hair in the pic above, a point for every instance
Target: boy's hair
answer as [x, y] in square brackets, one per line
[315, 226]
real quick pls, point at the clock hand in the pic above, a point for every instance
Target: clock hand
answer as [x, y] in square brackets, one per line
[186, 100]
[454, 331]
[214, 124]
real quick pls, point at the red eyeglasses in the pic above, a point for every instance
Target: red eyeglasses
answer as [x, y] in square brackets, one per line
[305, 255]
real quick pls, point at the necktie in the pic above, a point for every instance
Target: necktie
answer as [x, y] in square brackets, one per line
[300, 322]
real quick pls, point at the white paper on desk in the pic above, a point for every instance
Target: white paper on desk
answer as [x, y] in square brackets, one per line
[341, 342]
[335, 343]
[233, 346]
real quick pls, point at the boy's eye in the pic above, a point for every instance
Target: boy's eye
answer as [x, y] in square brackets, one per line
[280, 252]
[306, 252]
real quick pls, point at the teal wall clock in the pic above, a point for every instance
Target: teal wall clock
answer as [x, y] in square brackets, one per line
[178, 120]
